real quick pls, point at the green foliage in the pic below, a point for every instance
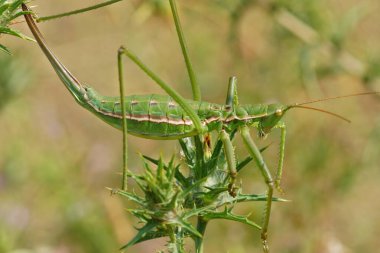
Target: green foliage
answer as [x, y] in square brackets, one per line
[171, 200]
[9, 12]
[14, 76]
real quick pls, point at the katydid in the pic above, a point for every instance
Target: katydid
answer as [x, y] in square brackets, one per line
[170, 117]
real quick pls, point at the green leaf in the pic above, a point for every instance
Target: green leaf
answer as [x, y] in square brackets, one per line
[178, 175]
[152, 235]
[192, 187]
[190, 228]
[247, 160]
[6, 30]
[141, 234]
[16, 4]
[130, 196]
[3, 8]
[228, 215]
[20, 13]
[4, 49]
[187, 149]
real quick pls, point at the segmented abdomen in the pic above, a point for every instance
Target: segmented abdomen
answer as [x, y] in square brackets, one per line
[152, 116]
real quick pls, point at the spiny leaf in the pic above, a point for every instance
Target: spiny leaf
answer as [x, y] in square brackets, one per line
[6, 30]
[152, 235]
[9, 11]
[192, 187]
[228, 215]
[178, 175]
[130, 196]
[188, 150]
[141, 234]
[190, 228]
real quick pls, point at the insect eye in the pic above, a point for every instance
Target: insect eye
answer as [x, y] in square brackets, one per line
[278, 112]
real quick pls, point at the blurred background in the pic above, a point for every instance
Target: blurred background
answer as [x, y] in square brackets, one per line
[56, 158]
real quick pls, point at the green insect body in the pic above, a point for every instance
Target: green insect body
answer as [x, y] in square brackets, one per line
[159, 117]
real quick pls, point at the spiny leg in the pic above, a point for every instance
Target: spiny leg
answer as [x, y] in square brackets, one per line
[231, 162]
[255, 153]
[277, 181]
[123, 111]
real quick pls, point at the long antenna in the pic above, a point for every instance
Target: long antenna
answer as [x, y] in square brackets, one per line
[338, 97]
[320, 110]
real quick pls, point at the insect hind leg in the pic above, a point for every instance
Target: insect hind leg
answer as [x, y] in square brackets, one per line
[231, 161]
[123, 111]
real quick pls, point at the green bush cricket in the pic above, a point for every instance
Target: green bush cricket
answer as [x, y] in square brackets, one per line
[169, 117]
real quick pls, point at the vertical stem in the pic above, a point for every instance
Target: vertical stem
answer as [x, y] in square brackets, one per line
[193, 80]
[122, 104]
[176, 239]
[201, 227]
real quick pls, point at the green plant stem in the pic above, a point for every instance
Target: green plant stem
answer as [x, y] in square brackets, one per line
[176, 238]
[201, 227]
[94, 7]
[193, 80]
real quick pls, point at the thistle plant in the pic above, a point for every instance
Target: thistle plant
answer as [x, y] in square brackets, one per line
[9, 12]
[171, 200]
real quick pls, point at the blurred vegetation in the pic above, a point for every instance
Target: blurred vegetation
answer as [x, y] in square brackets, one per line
[56, 159]
[9, 12]
[14, 76]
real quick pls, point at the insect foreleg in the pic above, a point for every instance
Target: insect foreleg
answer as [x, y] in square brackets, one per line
[277, 181]
[123, 113]
[231, 161]
[255, 153]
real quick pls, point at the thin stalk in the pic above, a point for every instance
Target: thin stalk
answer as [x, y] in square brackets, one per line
[90, 8]
[122, 98]
[176, 239]
[201, 227]
[193, 79]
